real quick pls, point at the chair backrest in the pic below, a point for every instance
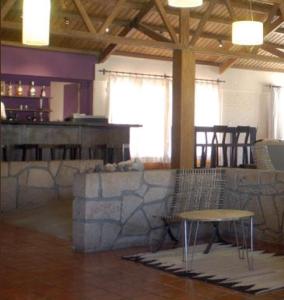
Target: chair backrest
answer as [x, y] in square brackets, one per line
[197, 189]
[269, 154]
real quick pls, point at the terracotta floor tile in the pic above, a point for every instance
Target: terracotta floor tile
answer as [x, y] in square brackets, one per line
[35, 266]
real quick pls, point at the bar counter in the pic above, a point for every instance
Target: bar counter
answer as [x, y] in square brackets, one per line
[85, 134]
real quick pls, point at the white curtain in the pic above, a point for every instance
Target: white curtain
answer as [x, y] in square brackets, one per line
[144, 101]
[276, 114]
[208, 104]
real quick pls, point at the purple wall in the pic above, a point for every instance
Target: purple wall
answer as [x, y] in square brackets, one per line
[44, 66]
[34, 62]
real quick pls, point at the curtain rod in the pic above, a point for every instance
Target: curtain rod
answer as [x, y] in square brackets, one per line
[275, 86]
[165, 76]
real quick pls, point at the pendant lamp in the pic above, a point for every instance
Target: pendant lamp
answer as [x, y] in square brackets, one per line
[247, 33]
[36, 22]
[185, 3]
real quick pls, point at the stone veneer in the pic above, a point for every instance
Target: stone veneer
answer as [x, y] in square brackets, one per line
[115, 210]
[30, 184]
[261, 191]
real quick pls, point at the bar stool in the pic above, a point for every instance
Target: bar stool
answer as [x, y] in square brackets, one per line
[27, 150]
[4, 153]
[99, 152]
[74, 151]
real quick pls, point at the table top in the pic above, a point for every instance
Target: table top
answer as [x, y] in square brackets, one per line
[215, 215]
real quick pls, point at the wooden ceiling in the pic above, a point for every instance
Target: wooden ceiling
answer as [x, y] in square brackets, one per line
[150, 28]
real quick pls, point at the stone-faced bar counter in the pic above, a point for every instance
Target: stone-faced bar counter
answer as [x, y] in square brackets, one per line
[116, 210]
[52, 133]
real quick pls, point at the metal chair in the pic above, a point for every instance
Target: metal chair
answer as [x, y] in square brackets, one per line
[199, 197]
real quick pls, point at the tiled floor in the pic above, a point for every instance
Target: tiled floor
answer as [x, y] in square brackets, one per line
[35, 265]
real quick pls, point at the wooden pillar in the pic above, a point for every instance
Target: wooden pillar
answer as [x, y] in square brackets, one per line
[183, 109]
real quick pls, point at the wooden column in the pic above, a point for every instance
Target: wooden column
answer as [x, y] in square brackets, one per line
[183, 109]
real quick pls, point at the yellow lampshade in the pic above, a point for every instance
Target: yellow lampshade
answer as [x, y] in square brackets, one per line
[185, 3]
[247, 33]
[36, 22]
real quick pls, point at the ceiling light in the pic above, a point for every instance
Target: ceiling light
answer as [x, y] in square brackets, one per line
[220, 44]
[185, 3]
[247, 33]
[36, 22]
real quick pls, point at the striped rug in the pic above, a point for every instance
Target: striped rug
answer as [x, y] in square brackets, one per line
[221, 266]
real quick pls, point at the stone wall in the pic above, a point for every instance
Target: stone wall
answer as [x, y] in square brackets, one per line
[261, 191]
[30, 184]
[115, 210]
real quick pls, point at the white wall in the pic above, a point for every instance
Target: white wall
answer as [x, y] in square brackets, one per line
[245, 92]
[57, 101]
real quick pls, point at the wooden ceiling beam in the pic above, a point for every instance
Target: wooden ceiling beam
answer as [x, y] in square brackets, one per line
[126, 30]
[164, 16]
[203, 22]
[227, 64]
[230, 9]
[6, 8]
[84, 15]
[73, 34]
[112, 16]
[273, 51]
[241, 55]
[184, 26]
[151, 33]
[281, 6]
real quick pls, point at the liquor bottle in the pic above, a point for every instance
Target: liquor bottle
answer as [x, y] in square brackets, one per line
[10, 89]
[34, 118]
[3, 85]
[32, 90]
[43, 91]
[20, 89]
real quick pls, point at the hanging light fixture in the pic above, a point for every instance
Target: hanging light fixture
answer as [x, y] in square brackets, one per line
[247, 33]
[185, 3]
[36, 22]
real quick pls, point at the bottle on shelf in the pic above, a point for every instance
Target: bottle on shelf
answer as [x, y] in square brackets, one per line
[40, 103]
[3, 87]
[20, 89]
[43, 91]
[32, 90]
[34, 119]
[10, 89]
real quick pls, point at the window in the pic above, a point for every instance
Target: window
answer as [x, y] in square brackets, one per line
[147, 101]
[144, 101]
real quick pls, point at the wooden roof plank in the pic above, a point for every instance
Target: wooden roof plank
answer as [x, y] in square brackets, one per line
[84, 15]
[203, 22]
[111, 47]
[230, 9]
[273, 51]
[151, 33]
[112, 16]
[6, 8]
